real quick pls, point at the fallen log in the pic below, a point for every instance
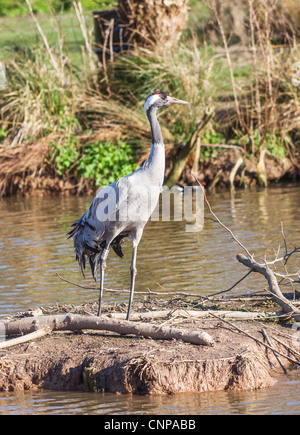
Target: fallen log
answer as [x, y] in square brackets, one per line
[234, 315]
[76, 322]
[25, 338]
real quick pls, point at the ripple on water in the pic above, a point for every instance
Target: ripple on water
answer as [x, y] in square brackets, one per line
[34, 248]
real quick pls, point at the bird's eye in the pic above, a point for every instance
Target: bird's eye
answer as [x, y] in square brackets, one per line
[160, 96]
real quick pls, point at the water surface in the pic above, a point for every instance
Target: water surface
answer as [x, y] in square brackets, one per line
[33, 248]
[283, 398]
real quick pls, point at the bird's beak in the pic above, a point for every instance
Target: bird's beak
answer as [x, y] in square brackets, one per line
[171, 100]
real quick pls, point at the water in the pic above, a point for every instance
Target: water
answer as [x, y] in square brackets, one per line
[34, 248]
[283, 398]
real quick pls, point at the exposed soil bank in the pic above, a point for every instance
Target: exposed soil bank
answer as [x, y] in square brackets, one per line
[218, 171]
[95, 361]
[24, 170]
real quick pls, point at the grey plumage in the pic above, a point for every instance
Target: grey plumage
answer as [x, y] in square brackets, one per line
[123, 208]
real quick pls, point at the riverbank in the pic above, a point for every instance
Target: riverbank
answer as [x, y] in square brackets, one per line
[81, 125]
[26, 170]
[107, 362]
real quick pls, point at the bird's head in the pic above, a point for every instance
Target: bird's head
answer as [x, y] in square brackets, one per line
[159, 99]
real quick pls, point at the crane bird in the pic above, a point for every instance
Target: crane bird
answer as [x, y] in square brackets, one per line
[123, 208]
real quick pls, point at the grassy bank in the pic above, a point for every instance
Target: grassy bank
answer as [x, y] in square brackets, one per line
[71, 123]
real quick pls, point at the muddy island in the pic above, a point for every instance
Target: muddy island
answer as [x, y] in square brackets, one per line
[249, 349]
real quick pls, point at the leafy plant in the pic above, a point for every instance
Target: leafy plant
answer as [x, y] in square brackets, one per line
[103, 162]
[106, 162]
[65, 155]
[211, 137]
[273, 142]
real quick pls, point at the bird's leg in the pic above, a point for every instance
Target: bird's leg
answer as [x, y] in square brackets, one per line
[103, 258]
[133, 271]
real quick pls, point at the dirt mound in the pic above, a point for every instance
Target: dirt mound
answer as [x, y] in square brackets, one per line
[100, 362]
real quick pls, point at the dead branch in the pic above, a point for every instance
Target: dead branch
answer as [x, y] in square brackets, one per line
[290, 349]
[25, 338]
[264, 332]
[234, 170]
[257, 340]
[233, 286]
[188, 149]
[234, 315]
[76, 322]
[276, 294]
[264, 269]
[261, 169]
[216, 180]
[222, 145]
[218, 220]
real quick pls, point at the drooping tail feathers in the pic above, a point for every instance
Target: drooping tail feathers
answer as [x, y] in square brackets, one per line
[89, 245]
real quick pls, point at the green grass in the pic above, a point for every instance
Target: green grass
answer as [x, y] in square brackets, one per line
[20, 33]
[16, 8]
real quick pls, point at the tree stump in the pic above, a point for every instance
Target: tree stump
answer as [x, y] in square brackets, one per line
[153, 22]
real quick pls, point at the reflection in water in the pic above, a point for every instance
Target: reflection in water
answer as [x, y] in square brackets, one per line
[34, 248]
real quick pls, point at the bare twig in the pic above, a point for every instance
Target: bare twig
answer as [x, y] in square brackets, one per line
[233, 286]
[284, 239]
[285, 258]
[146, 293]
[256, 339]
[218, 220]
[80, 16]
[264, 332]
[53, 60]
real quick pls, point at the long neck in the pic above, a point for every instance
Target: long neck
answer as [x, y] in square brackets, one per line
[156, 161]
[155, 128]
